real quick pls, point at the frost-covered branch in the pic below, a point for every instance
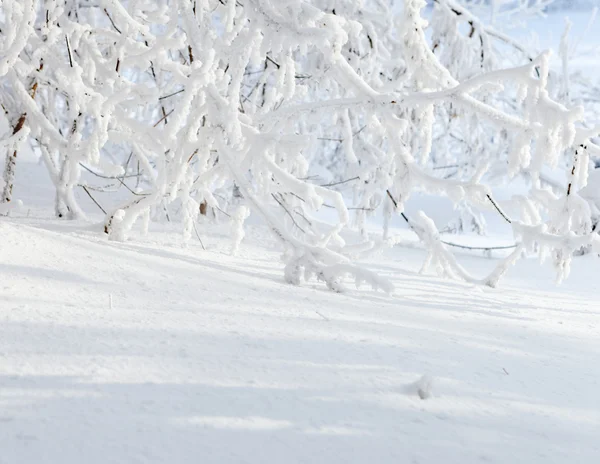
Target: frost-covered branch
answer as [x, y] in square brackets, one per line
[208, 101]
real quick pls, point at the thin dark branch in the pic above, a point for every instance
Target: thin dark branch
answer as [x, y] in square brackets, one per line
[359, 130]
[329, 139]
[351, 208]
[333, 139]
[498, 209]
[69, 51]
[111, 21]
[93, 199]
[455, 245]
[396, 206]
[288, 213]
[489, 248]
[449, 166]
[105, 189]
[134, 193]
[171, 94]
[301, 214]
[226, 214]
[273, 61]
[106, 177]
[330, 206]
[163, 118]
[341, 182]
[198, 235]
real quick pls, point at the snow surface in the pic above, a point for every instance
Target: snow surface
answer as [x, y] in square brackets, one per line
[152, 351]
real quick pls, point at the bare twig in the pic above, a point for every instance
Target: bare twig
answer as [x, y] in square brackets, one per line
[455, 245]
[93, 199]
[226, 214]
[198, 235]
[341, 182]
[69, 51]
[498, 209]
[171, 94]
[288, 212]
[163, 118]
[111, 21]
[107, 177]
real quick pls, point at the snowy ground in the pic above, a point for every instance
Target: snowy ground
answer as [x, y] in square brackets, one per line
[152, 352]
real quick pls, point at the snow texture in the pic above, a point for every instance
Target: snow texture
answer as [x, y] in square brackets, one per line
[154, 351]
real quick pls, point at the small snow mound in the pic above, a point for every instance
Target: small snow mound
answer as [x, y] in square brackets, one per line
[117, 230]
[424, 386]
[421, 387]
[6, 208]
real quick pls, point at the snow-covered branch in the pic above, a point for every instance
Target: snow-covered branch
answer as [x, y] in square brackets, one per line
[200, 100]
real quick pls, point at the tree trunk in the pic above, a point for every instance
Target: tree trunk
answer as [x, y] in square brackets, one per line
[10, 166]
[11, 158]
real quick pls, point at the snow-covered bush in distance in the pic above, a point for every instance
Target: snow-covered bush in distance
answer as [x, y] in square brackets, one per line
[460, 38]
[510, 11]
[572, 4]
[204, 95]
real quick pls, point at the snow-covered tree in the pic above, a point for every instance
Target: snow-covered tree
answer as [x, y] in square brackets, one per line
[194, 100]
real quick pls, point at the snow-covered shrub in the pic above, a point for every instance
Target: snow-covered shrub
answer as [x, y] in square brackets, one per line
[572, 4]
[210, 95]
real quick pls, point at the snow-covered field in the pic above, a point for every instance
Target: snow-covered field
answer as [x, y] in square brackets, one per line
[155, 351]
[150, 351]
